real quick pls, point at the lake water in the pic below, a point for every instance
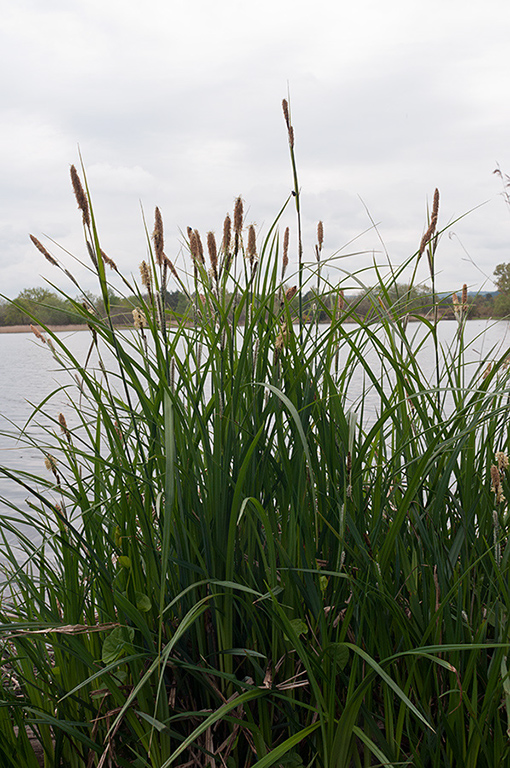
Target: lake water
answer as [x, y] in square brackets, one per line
[29, 373]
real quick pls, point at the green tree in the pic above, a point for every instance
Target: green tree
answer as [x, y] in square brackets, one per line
[502, 302]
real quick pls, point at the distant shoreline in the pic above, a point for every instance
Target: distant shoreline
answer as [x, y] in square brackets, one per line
[26, 328]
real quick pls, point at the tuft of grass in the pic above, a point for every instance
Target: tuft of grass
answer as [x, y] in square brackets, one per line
[239, 561]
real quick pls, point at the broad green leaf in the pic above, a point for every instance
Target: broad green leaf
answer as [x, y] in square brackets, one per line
[116, 644]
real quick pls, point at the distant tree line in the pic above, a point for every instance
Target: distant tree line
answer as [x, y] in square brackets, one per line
[50, 308]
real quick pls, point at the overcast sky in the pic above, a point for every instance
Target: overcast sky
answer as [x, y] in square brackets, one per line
[177, 103]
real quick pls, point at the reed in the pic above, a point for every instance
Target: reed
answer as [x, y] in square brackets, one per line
[241, 565]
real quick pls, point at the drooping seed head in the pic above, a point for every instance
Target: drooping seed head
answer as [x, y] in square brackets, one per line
[38, 333]
[170, 266]
[40, 247]
[81, 197]
[158, 236]
[108, 261]
[433, 223]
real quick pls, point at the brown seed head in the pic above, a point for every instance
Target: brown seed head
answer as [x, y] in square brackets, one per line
[81, 197]
[435, 207]
[251, 248]
[320, 234]
[50, 463]
[40, 247]
[291, 137]
[213, 253]
[281, 339]
[63, 426]
[38, 333]
[145, 274]
[285, 107]
[193, 245]
[456, 305]
[227, 229]
[464, 297]
[286, 237]
[200, 249]
[496, 484]
[433, 223]
[107, 260]
[291, 293]
[340, 302]
[238, 216]
[503, 461]
[170, 266]
[158, 236]
[139, 319]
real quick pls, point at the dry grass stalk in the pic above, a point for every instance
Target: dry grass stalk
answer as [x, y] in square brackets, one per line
[40, 247]
[158, 237]
[81, 197]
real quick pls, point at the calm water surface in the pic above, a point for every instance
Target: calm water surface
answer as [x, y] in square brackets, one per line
[29, 373]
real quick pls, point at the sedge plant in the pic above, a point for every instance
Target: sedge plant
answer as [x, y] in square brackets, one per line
[237, 561]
